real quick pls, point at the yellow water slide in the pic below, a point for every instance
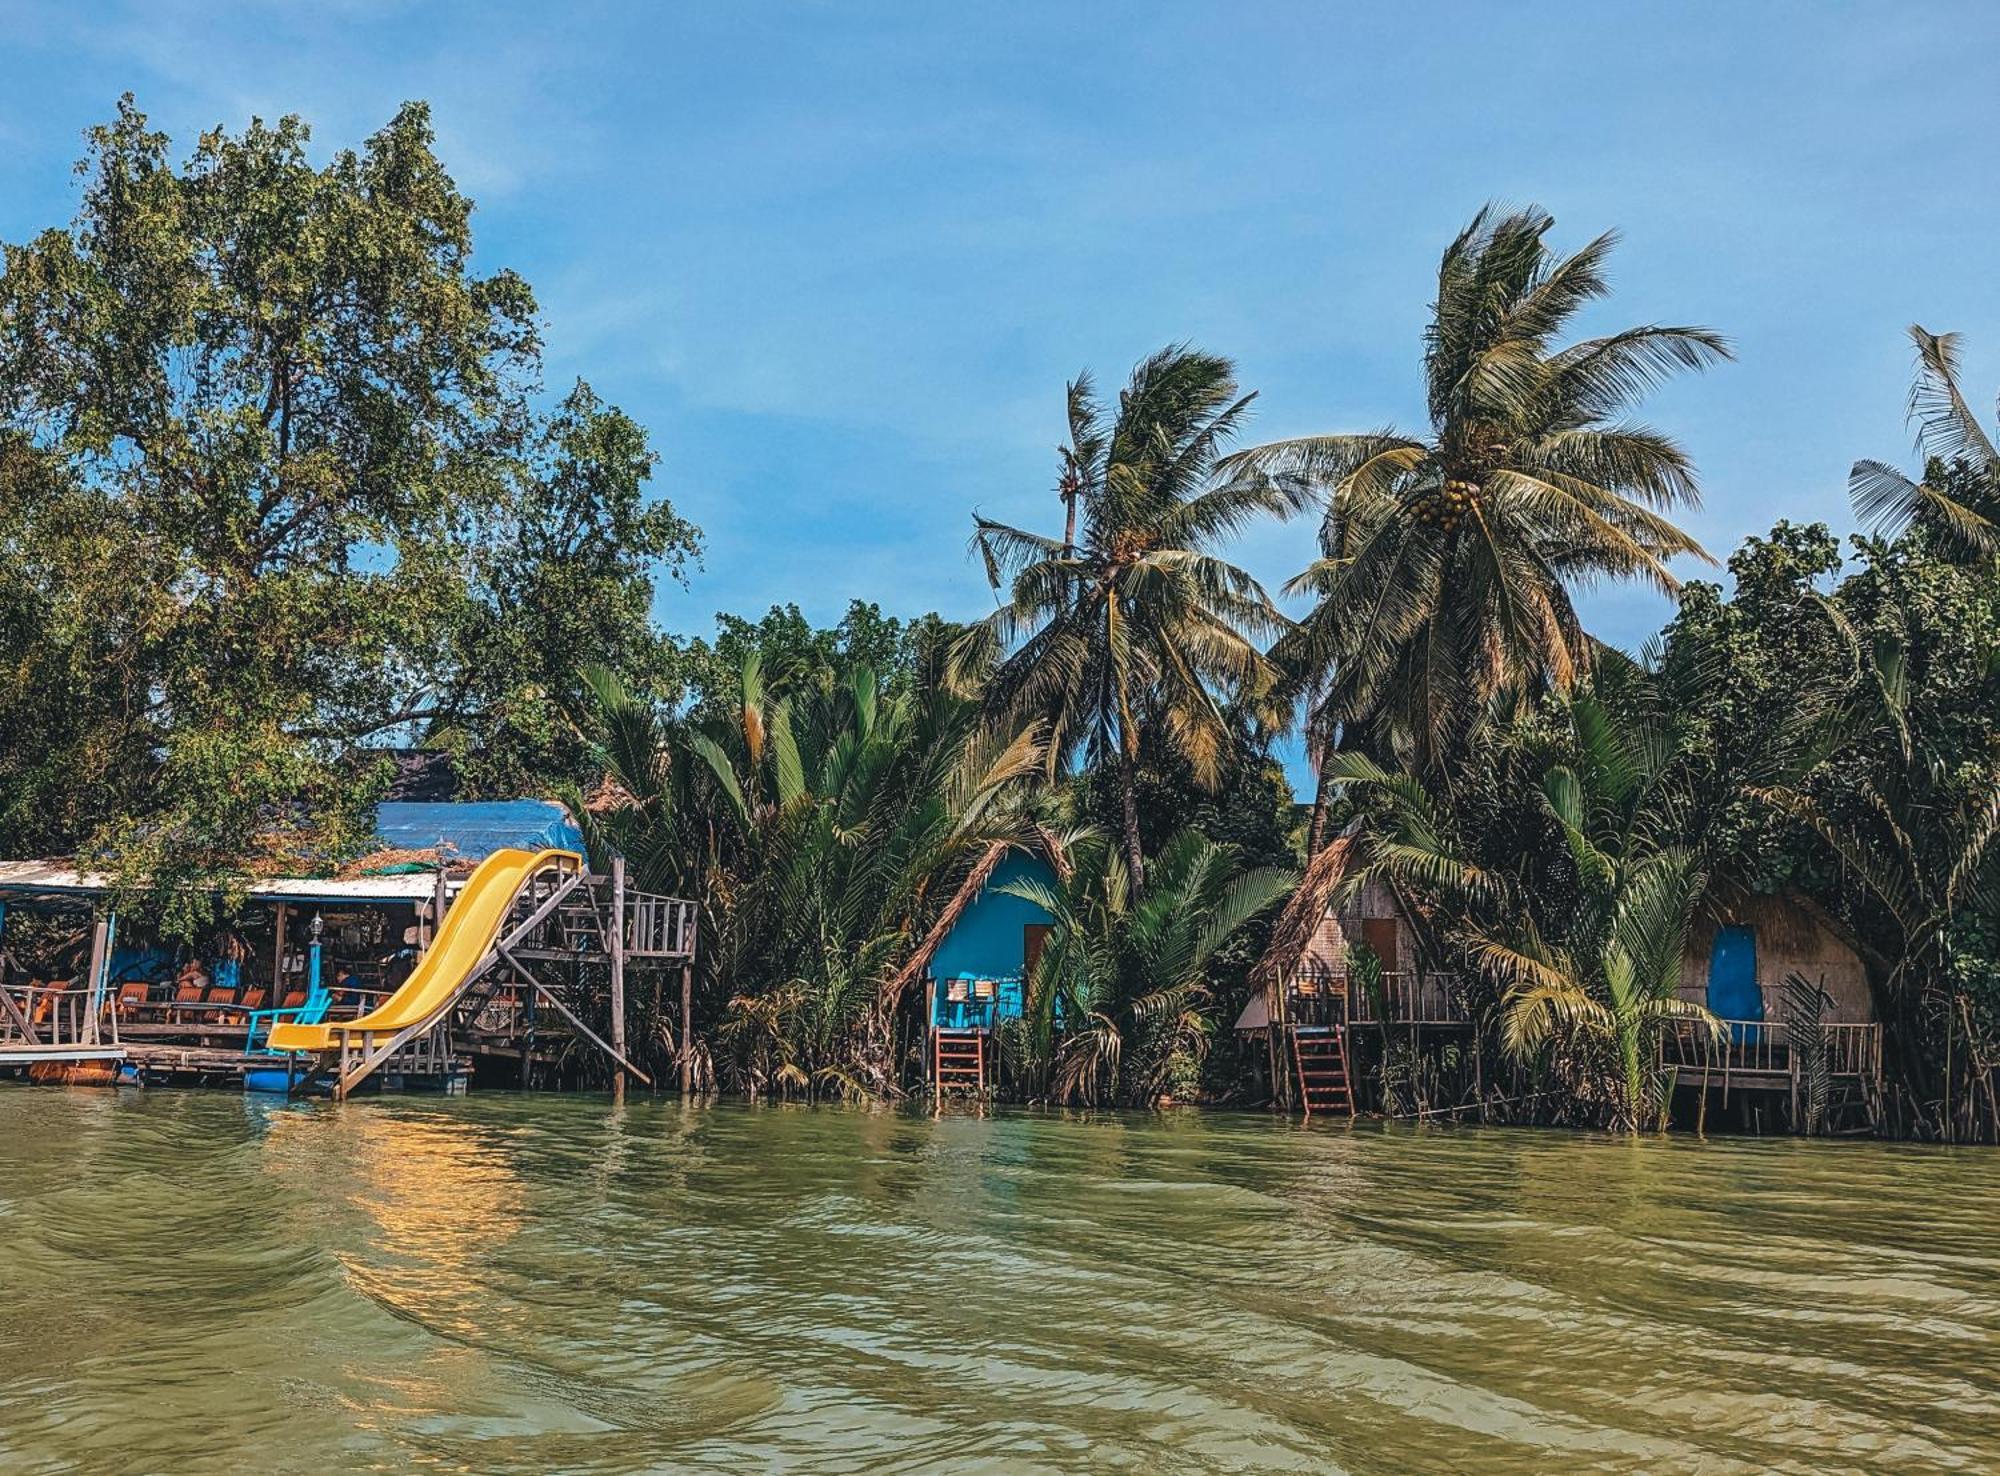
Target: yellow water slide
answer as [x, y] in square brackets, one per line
[470, 928]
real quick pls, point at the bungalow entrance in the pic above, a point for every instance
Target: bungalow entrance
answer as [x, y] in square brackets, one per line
[979, 972]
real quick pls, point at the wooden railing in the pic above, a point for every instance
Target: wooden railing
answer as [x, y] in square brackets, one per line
[658, 927]
[1327, 995]
[1410, 998]
[53, 1015]
[1764, 1046]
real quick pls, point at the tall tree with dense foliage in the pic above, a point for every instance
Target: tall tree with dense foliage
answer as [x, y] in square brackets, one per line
[275, 476]
[1132, 621]
[1448, 559]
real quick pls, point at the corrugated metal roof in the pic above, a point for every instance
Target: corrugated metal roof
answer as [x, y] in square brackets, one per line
[55, 879]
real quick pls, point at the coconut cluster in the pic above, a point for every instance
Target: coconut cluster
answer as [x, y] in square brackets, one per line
[1448, 504]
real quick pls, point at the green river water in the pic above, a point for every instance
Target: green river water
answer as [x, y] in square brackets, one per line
[196, 1282]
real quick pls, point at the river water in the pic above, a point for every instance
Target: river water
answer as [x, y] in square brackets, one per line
[196, 1282]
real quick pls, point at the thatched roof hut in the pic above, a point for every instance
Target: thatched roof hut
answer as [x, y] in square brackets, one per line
[1771, 937]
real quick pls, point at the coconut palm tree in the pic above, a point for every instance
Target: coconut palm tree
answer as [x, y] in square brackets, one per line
[1959, 497]
[1130, 619]
[1117, 1005]
[1448, 558]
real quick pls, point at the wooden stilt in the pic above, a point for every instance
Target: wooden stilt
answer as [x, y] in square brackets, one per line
[564, 1010]
[437, 908]
[687, 1029]
[278, 954]
[618, 974]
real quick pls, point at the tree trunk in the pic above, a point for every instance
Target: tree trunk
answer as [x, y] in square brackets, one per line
[1128, 798]
[1322, 797]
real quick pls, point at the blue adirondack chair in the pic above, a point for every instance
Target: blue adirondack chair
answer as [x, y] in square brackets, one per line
[312, 1012]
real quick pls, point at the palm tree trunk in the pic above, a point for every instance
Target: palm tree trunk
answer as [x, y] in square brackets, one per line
[1128, 799]
[1322, 798]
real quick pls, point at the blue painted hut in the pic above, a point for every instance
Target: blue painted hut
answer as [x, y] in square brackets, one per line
[978, 970]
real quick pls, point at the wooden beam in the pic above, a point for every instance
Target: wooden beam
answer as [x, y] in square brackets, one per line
[26, 1026]
[687, 1029]
[278, 956]
[618, 973]
[90, 983]
[568, 1014]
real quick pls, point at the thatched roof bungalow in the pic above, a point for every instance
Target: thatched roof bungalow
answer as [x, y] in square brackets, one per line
[1740, 953]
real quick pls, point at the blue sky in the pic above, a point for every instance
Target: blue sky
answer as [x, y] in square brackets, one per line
[840, 258]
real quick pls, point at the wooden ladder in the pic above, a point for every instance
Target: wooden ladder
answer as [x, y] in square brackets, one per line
[1319, 1055]
[958, 1060]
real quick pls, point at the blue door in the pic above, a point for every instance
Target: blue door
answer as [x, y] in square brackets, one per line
[1732, 976]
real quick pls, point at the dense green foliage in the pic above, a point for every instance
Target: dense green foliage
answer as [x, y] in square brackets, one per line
[274, 483]
[280, 488]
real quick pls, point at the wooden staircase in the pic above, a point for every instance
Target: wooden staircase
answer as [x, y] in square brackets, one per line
[958, 1060]
[1319, 1057]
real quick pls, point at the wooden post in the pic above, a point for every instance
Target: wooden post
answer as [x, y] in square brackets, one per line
[687, 1028]
[437, 909]
[618, 974]
[278, 957]
[88, 1026]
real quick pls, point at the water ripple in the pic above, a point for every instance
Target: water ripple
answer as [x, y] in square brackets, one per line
[195, 1282]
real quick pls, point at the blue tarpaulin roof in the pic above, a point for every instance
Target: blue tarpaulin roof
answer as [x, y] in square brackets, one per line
[475, 831]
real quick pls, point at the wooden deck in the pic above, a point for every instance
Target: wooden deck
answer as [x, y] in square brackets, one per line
[511, 1014]
[1757, 1058]
[1327, 996]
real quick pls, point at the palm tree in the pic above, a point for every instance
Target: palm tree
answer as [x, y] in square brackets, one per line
[1130, 619]
[1448, 559]
[1576, 904]
[828, 828]
[1918, 838]
[1117, 1005]
[1959, 497]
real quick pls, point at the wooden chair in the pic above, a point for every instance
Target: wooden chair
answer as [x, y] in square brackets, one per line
[45, 1000]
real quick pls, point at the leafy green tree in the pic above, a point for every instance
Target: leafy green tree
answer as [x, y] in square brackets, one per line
[1131, 622]
[276, 490]
[1761, 668]
[567, 564]
[794, 653]
[1448, 559]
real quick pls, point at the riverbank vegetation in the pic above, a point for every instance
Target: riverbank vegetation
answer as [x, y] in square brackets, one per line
[281, 488]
